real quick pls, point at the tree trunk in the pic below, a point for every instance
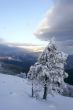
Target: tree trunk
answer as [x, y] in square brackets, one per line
[32, 90]
[45, 92]
[45, 88]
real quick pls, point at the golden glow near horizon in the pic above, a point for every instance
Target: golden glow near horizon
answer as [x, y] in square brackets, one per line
[28, 46]
[36, 48]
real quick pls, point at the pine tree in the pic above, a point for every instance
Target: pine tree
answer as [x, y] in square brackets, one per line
[48, 71]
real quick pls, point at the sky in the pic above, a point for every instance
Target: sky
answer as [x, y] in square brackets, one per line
[19, 18]
[35, 22]
[58, 23]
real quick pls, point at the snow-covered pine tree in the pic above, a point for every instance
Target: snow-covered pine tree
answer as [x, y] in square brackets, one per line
[48, 71]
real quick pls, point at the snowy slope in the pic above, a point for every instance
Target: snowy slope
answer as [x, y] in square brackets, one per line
[15, 95]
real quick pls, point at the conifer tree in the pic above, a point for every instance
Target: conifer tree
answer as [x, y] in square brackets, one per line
[48, 71]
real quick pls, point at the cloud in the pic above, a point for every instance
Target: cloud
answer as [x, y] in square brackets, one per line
[26, 46]
[2, 40]
[58, 22]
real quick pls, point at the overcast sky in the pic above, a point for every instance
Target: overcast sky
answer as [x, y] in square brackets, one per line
[58, 23]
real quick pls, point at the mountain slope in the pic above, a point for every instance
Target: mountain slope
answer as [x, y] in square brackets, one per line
[15, 95]
[69, 64]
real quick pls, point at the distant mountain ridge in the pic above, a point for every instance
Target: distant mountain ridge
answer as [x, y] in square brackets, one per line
[16, 59]
[69, 62]
[20, 54]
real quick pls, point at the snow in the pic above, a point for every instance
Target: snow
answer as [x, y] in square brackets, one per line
[48, 72]
[15, 94]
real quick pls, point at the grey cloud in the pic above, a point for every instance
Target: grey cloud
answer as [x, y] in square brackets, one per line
[2, 40]
[58, 22]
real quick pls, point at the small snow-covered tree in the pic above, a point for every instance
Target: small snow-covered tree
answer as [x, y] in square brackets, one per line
[32, 77]
[48, 71]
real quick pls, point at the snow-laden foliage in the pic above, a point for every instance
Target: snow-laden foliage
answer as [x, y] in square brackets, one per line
[48, 71]
[22, 75]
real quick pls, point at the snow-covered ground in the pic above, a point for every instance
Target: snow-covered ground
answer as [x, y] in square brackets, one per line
[15, 95]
